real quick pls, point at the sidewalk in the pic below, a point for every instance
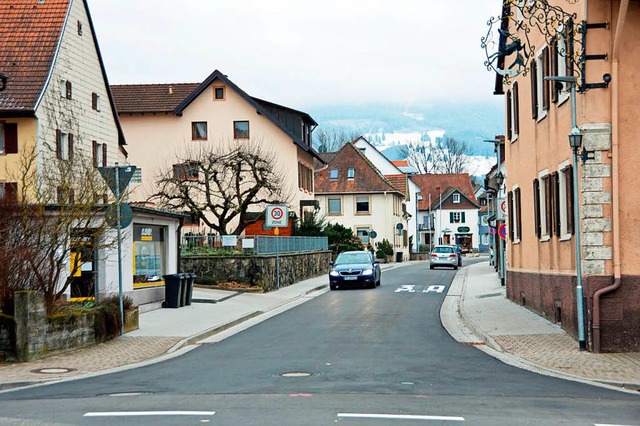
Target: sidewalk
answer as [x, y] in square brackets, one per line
[477, 312]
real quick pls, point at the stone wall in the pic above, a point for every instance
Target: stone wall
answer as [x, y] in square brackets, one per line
[259, 270]
[7, 334]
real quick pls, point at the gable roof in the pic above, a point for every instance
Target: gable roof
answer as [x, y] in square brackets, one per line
[445, 184]
[398, 181]
[30, 33]
[367, 179]
[140, 98]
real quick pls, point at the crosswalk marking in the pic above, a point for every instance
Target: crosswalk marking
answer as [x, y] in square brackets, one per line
[410, 288]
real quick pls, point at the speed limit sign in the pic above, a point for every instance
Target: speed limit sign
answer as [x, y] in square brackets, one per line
[277, 216]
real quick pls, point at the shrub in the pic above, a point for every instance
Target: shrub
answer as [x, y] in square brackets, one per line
[384, 249]
[206, 280]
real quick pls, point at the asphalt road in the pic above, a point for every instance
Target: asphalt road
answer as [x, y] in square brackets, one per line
[353, 357]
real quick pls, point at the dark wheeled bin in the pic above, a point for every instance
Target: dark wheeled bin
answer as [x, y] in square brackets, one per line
[173, 290]
[190, 277]
[398, 256]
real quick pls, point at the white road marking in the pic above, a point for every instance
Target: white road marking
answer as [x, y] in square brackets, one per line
[399, 417]
[148, 413]
[434, 289]
[406, 288]
[607, 424]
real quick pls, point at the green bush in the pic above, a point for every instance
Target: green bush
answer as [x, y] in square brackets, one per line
[384, 249]
[206, 280]
[341, 238]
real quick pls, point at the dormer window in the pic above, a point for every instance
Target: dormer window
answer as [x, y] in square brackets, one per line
[455, 198]
[333, 174]
[351, 173]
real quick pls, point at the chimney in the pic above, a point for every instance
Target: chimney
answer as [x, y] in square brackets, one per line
[171, 90]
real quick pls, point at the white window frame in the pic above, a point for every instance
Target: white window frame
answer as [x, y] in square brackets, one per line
[351, 173]
[99, 152]
[512, 109]
[363, 228]
[457, 217]
[516, 213]
[337, 173]
[455, 198]
[542, 205]
[329, 213]
[540, 82]
[561, 46]
[64, 145]
[63, 88]
[562, 189]
[355, 207]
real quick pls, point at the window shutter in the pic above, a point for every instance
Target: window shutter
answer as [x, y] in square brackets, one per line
[510, 217]
[10, 138]
[104, 155]
[545, 73]
[10, 192]
[518, 214]
[534, 90]
[509, 133]
[59, 194]
[94, 100]
[536, 206]
[72, 196]
[516, 109]
[58, 144]
[70, 146]
[553, 59]
[94, 149]
[556, 203]
[548, 205]
[463, 218]
[568, 41]
[450, 217]
[68, 87]
[568, 175]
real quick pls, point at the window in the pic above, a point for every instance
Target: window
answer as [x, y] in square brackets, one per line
[305, 178]
[335, 206]
[545, 205]
[79, 28]
[362, 204]
[455, 198]
[8, 138]
[199, 130]
[95, 101]
[363, 234]
[99, 154]
[64, 145]
[457, 217]
[333, 174]
[513, 113]
[241, 130]
[565, 201]
[65, 195]
[137, 176]
[351, 173]
[66, 89]
[515, 216]
[149, 255]
[218, 93]
[186, 171]
[8, 191]
[484, 220]
[539, 86]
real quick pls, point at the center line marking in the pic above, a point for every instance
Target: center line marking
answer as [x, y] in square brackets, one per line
[148, 413]
[399, 416]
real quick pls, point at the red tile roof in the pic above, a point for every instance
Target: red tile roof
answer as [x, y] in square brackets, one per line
[367, 178]
[29, 34]
[436, 184]
[398, 181]
[139, 98]
[400, 163]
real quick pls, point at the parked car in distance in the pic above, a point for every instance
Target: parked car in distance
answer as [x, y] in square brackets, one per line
[354, 269]
[458, 252]
[443, 255]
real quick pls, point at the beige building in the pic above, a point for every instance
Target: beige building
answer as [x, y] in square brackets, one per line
[542, 245]
[163, 121]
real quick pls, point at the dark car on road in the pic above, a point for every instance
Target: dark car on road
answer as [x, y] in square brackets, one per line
[354, 269]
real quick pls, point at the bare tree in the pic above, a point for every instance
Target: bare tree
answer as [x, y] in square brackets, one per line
[221, 184]
[333, 139]
[447, 155]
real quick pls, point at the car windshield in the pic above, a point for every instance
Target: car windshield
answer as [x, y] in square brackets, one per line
[443, 250]
[352, 258]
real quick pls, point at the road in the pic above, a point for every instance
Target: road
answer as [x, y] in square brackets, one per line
[352, 357]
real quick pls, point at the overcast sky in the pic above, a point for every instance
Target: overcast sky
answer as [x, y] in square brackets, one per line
[304, 53]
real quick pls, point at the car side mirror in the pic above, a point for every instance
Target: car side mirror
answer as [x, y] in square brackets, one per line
[376, 261]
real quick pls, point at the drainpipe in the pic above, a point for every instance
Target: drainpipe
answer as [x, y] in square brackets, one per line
[615, 177]
[179, 242]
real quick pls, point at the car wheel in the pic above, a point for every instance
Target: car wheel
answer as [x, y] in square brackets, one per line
[455, 268]
[332, 287]
[378, 283]
[430, 266]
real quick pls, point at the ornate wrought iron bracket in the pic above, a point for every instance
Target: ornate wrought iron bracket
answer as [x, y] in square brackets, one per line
[587, 155]
[606, 79]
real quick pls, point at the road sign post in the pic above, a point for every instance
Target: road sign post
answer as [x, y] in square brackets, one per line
[277, 216]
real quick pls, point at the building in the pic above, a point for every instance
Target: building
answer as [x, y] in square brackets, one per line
[447, 211]
[351, 191]
[545, 181]
[484, 230]
[164, 121]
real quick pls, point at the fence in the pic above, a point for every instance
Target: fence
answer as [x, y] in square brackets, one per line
[260, 244]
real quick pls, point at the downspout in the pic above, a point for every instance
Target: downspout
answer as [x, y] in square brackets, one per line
[615, 177]
[179, 242]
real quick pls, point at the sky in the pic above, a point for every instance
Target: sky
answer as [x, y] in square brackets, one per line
[304, 53]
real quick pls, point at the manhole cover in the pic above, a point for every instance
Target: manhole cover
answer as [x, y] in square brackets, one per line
[55, 370]
[296, 374]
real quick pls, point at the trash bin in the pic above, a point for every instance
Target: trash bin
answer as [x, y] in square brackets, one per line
[172, 290]
[189, 287]
[398, 256]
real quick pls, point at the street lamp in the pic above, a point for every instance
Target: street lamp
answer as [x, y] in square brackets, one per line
[575, 142]
[500, 245]
[499, 180]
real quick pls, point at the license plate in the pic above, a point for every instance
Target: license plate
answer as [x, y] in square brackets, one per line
[350, 278]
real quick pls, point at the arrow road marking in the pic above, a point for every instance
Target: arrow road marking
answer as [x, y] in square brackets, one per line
[406, 289]
[434, 289]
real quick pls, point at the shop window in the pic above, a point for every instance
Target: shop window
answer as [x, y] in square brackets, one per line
[149, 255]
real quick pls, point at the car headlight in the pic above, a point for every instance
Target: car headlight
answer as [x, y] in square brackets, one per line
[334, 274]
[367, 272]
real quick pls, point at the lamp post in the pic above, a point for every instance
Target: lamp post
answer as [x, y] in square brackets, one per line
[575, 142]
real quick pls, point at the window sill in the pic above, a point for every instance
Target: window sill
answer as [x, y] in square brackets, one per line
[545, 238]
[198, 139]
[334, 214]
[363, 213]
[563, 98]
[514, 139]
[542, 116]
[566, 237]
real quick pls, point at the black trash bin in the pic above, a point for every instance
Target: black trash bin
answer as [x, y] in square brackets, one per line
[172, 290]
[398, 256]
[189, 287]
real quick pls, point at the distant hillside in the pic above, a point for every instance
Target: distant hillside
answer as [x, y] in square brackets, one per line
[389, 125]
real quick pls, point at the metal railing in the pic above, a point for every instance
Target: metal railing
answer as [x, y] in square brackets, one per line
[204, 245]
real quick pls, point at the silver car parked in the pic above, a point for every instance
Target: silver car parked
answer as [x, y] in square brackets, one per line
[442, 255]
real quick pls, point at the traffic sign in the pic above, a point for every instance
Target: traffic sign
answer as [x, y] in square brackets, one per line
[277, 216]
[502, 209]
[126, 215]
[124, 176]
[373, 235]
[502, 231]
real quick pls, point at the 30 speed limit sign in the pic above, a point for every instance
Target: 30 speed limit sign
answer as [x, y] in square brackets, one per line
[277, 216]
